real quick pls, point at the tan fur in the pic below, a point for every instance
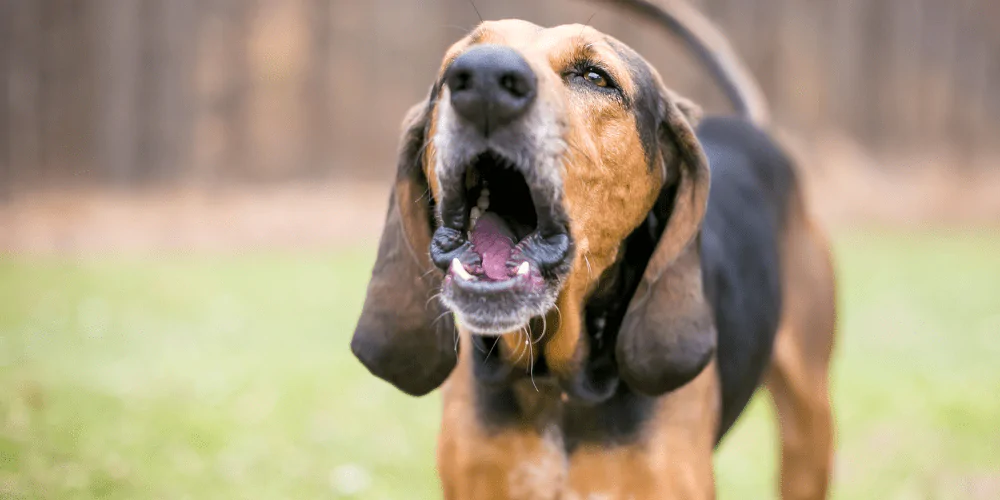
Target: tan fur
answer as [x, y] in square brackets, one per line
[608, 190]
[674, 460]
[801, 360]
[607, 183]
[477, 463]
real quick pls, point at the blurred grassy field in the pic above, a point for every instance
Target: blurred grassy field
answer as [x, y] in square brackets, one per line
[229, 377]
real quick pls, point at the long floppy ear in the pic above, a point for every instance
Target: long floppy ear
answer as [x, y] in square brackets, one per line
[668, 335]
[404, 335]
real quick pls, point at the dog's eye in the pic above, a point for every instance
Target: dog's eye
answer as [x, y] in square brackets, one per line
[596, 77]
[592, 76]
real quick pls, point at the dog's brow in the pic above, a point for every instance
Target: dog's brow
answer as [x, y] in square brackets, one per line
[579, 53]
[610, 61]
[585, 51]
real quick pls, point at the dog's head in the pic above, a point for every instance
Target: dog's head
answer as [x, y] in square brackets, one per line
[550, 174]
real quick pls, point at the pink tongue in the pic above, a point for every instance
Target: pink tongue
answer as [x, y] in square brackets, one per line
[493, 240]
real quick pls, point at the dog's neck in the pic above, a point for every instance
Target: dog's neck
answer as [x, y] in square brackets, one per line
[597, 380]
[540, 402]
[595, 406]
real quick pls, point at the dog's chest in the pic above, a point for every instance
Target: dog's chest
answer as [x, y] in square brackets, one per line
[576, 451]
[623, 419]
[523, 443]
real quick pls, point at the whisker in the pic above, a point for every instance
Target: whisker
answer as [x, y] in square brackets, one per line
[526, 337]
[454, 329]
[423, 147]
[521, 347]
[495, 342]
[436, 295]
[540, 337]
[590, 274]
[426, 192]
[476, 9]
[586, 24]
[476, 344]
[531, 364]
[440, 316]
[456, 27]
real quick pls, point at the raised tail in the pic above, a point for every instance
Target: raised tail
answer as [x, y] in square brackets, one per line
[711, 47]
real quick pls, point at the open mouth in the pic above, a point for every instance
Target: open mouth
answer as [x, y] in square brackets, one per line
[504, 238]
[497, 224]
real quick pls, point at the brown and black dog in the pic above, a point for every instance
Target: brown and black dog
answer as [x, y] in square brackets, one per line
[598, 303]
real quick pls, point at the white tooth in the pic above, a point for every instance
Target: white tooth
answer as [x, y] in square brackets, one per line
[484, 192]
[523, 269]
[459, 269]
[483, 203]
[474, 215]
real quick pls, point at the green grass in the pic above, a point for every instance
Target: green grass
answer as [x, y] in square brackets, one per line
[229, 377]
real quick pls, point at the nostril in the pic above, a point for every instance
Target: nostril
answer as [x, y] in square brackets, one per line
[516, 84]
[461, 80]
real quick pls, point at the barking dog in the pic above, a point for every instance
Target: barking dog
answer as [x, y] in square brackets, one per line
[599, 303]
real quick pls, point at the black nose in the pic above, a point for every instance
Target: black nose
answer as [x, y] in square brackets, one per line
[491, 85]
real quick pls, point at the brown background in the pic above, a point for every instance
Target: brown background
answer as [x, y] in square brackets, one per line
[894, 104]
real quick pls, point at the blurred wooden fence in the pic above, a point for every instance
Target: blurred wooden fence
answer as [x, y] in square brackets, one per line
[150, 91]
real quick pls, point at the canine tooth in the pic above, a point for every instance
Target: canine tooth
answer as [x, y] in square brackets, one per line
[459, 269]
[523, 268]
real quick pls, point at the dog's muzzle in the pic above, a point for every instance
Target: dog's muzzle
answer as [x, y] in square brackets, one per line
[504, 239]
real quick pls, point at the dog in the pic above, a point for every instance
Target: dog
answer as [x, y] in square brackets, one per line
[597, 303]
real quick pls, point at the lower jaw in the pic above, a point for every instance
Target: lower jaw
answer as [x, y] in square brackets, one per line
[490, 329]
[496, 307]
